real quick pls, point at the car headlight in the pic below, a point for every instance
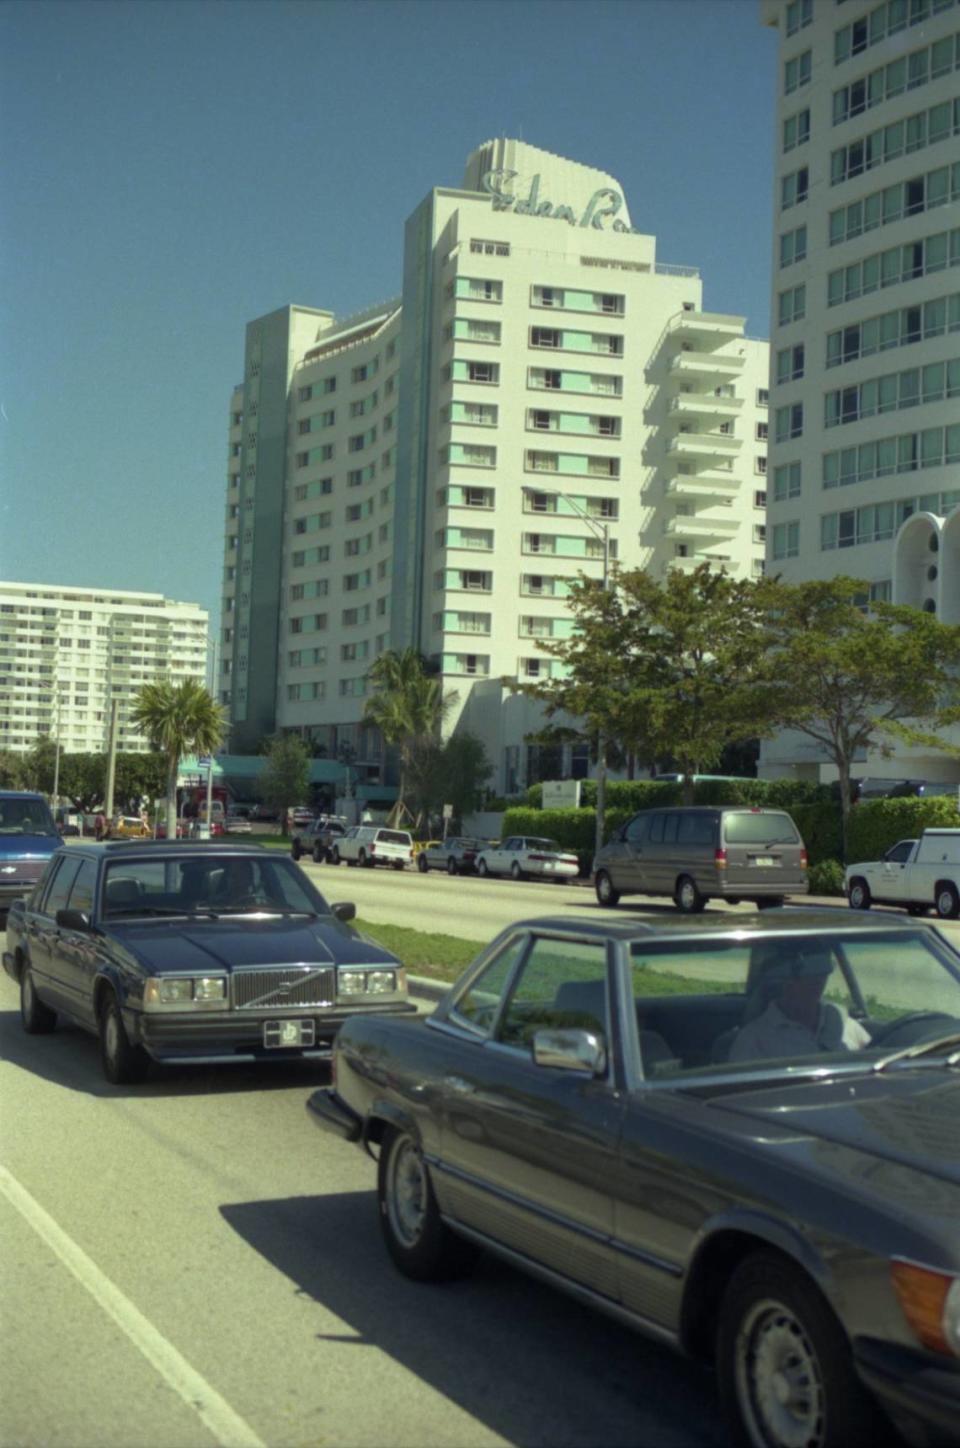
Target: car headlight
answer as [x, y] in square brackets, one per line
[351, 982]
[931, 1304]
[381, 982]
[210, 988]
[176, 991]
[367, 982]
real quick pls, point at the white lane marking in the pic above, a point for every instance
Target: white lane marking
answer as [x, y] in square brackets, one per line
[227, 1427]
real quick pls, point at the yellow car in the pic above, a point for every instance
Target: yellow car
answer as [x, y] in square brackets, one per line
[129, 827]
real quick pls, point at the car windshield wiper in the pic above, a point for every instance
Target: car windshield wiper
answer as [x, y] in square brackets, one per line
[922, 1048]
[116, 910]
[263, 910]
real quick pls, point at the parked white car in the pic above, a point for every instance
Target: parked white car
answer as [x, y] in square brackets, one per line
[918, 874]
[373, 845]
[523, 855]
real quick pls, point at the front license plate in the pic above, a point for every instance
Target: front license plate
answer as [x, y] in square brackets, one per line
[289, 1033]
[765, 860]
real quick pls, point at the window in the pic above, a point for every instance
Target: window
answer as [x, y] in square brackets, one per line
[763, 396]
[792, 305]
[789, 421]
[545, 337]
[786, 540]
[793, 246]
[759, 499]
[786, 482]
[761, 431]
[796, 130]
[796, 72]
[790, 362]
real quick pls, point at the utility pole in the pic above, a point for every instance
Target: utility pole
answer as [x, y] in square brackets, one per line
[56, 762]
[111, 761]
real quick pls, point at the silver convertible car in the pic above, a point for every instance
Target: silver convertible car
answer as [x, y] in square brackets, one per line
[739, 1135]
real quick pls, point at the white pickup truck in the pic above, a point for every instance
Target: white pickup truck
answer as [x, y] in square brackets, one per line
[919, 874]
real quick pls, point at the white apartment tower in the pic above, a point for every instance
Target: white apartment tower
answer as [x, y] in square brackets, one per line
[544, 397]
[67, 653]
[865, 332]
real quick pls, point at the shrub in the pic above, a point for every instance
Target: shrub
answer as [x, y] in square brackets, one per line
[877, 824]
[827, 878]
[821, 827]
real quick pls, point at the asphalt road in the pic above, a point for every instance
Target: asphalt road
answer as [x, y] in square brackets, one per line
[192, 1262]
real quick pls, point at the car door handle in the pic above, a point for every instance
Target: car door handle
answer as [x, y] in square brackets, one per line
[458, 1085]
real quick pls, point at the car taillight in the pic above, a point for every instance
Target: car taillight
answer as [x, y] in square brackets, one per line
[720, 859]
[803, 859]
[373, 849]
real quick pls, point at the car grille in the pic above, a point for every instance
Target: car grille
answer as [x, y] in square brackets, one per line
[281, 987]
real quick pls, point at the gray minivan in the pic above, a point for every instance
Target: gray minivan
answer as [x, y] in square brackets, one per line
[694, 852]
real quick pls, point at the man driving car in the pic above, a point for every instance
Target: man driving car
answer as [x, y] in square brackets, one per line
[796, 1021]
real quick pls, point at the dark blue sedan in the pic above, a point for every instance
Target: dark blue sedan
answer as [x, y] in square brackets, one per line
[196, 953]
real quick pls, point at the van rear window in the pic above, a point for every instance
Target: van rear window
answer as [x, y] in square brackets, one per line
[393, 837]
[759, 829]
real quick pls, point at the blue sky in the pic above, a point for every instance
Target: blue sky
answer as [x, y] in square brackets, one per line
[174, 168]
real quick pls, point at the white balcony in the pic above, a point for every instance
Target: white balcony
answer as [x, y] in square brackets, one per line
[708, 364]
[694, 560]
[704, 404]
[702, 485]
[714, 328]
[703, 445]
[699, 526]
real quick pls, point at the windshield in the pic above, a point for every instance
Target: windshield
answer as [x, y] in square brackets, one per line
[214, 884]
[26, 817]
[755, 1001]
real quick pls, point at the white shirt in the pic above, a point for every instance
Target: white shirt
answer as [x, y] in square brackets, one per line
[775, 1035]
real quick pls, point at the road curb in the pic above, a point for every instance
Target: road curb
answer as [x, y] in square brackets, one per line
[427, 988]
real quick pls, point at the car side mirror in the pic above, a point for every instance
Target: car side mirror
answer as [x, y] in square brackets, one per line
[345, 910]
[583, 1051]
[73, 919]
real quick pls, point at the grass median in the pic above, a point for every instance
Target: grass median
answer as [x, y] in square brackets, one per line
[443, 957]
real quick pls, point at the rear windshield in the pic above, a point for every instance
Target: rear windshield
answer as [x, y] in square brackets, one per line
[393, 837]
[29, 816]
[760, 829]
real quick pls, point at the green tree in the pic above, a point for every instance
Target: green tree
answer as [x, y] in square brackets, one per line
[408, 707]
[39, 765]
[83, 778]
[853, 680]
[12, 770]
[668, 668]
[139, 776]
[285, 781]
[453, 772]
[178, 719]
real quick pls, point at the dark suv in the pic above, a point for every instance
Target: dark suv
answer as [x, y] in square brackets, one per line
[28, 837]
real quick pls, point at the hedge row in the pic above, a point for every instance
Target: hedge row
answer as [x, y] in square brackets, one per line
[636, 794]
[875, 825]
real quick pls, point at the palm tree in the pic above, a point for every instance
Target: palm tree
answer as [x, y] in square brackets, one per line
[408, 707]
[178, 719]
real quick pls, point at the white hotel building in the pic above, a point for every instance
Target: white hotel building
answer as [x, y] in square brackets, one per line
[66, 653]
[865, 345]
[436, 470]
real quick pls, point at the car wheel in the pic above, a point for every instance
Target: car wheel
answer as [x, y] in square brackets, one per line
[858, 895]
[123, 1063]
[398, 865]
[515, 871]
[784, 1367]
[766, 902]
[946, 900]
[688, 899]
[422, 865]
[36, 1018]
[482, 868]
[318, 854]
[362, 860]
[606, 894]
[419, 1243]
[452, 866]
[335, 856]
[295, 850]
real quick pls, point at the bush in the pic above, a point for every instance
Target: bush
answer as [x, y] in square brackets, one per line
[827, 878]
[877, 824]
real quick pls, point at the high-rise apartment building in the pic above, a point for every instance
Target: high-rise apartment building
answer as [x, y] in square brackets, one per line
[865, 329]
[544, 397]
[67, 653]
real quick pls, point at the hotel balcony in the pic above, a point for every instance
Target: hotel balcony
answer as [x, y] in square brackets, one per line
[694, 560]
[703, 365]
[703, 485]
[704, 404]
[691, 526]
[708, 328]
[703, 445]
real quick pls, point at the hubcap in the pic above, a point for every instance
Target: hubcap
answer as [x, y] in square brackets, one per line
[111, 1035]
[778, 1380]
[407, 1193]
[27, 993]
[686, 895]
[945, 903]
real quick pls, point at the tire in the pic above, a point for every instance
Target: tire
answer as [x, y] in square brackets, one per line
[515, 872]
[482, 868]
[398, 865]
[946, 900]
[687, 897]
[295, 850]
[123, 1063]
[605, 892]
[422, 865]
[858, 894]
[319, 854]
[768, 902]
[362, 860]
[335, 856]
[36, 1018]
[418, 1242]
[778, 1339]
[452, 866]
